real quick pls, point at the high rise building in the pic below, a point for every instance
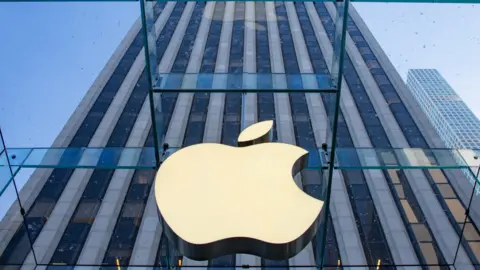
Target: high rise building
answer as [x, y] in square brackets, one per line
[450, 116]
[378, 217]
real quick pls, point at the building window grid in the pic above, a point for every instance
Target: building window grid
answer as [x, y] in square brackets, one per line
[450, 113]
[452, 139]
[441, 199]
[410, 200]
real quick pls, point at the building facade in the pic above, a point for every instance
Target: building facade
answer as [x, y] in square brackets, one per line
[378, 218]
[455, 122]
[450, 116]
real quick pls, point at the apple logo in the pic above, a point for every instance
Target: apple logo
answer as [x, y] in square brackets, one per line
[217, 199]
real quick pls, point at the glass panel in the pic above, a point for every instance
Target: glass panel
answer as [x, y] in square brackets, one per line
[16, 155]
[324, 243]
[7, 256]
[218, 82]
[339, 40]
[90, 41]
[166, 78]
[78, 88]
[448, 185]
[11, 217]
[120, 158]
[376, 158]
[472, 158]
[470, 230]
[368, 158]
[164, 105]
[468, 218]
[408, 211]
[5, 173]
[429, 253]
[468, 245]
[421, 232]
[148, 28]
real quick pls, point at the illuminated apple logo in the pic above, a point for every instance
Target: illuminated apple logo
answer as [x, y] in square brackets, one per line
[216, 199]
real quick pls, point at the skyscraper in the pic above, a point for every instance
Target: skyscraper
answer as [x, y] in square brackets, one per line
[455, 122]
[450, 116]
[378, 217]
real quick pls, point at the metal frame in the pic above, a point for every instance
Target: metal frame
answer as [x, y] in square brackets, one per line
[337, 67]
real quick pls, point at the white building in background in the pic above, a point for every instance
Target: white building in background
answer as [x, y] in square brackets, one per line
[456, 124]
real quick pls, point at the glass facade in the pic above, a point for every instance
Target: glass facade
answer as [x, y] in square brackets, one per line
[456, 124]
[212, 69]
[451, 117]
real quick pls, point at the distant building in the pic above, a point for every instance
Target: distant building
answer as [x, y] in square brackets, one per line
[454, 121]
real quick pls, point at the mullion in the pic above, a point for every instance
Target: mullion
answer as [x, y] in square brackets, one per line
[169, 103]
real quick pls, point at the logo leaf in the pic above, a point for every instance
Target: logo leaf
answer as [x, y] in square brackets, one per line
[256, 133]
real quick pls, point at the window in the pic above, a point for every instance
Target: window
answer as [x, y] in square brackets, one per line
[470, 233]
[421, 232]
[41, 209]
[400, 191]
[382, 79]
[365, 50]
[369, 57]
[372, 64]
[428, 251]
[408, 211]
[357, 39]
[133, 210]
[86, 212]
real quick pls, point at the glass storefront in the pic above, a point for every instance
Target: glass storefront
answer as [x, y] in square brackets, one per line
[391, 198]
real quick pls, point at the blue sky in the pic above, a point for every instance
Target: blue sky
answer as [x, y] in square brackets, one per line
[51, 52]
[441, 36]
